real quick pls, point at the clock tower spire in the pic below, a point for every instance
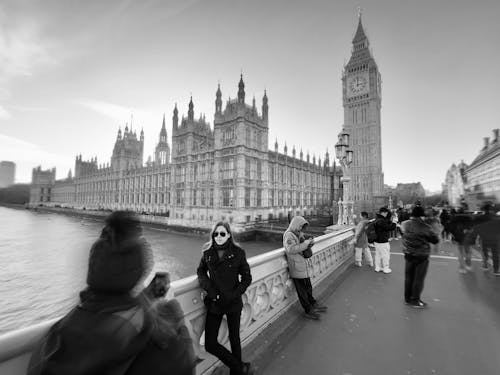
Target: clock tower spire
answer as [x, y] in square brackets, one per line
[362, 100]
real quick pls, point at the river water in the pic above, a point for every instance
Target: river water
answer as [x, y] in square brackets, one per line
[43, 262]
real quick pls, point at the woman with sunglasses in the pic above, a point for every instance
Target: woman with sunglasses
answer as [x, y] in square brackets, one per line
[221, 265]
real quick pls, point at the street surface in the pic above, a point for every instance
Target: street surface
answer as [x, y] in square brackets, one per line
[368, 329]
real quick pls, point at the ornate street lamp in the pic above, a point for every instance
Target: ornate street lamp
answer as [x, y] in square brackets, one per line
[345, 157]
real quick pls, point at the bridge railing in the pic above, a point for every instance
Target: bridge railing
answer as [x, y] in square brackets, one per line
[268, 297]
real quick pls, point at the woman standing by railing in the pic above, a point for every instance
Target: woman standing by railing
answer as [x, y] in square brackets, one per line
[221, 265]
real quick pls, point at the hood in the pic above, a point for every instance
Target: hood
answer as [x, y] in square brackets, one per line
[296, 223]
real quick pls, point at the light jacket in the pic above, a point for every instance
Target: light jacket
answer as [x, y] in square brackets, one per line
[297, 264]
[360, 238]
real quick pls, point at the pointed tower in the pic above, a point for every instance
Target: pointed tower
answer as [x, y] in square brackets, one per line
[191, 110]
[265, 108]
[361, 84]
[175, 118]
[162, 152]
[218, 100]
[241, 90]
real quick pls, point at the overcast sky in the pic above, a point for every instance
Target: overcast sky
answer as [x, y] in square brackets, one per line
[72, 72]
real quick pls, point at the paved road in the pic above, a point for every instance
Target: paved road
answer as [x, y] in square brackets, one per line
[369, 330]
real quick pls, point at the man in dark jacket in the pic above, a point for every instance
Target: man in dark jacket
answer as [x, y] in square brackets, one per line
[416, 238]
[461, 232]
[488, 229]
[383, 227]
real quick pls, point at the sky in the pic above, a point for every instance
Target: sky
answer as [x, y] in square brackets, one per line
[72, 72]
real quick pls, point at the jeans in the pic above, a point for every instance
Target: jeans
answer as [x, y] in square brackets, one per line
[464, 255]
[304, 291]
[231, 359]
[415, 271]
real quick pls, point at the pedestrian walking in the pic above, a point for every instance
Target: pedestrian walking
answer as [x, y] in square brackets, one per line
[295, 243]
[461, 231]
[433, 221]
[445, 222]
[416, 238]
[222, 264]
[383, 226]
[360, 242]
[488, 229]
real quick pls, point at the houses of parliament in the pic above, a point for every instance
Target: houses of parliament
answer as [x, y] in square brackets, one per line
[228, 172]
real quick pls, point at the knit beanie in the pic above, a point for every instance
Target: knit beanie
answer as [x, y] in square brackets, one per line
[118, 264]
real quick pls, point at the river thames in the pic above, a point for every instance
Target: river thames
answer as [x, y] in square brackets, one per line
[43, 261]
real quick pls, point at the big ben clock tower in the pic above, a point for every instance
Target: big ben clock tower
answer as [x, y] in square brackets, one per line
[362, 99]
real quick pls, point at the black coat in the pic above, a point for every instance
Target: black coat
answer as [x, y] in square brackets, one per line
[383, 227]
[222, 282]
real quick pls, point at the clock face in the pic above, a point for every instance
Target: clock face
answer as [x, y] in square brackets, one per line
[357, 84]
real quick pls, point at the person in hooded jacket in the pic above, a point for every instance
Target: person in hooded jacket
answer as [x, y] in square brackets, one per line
[295, 242]
[222, 264]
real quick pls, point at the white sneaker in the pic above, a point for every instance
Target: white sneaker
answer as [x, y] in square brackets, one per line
[377, 269]
[358, 264]
[462, 270]
[387, 270]
[469, 268]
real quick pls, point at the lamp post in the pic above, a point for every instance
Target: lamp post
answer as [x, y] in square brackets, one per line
[345, 157]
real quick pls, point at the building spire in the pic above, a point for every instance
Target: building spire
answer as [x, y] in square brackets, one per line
[191, 110]
[360, 32]
[241, 90]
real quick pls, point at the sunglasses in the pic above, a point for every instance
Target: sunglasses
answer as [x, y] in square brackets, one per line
[222, 234]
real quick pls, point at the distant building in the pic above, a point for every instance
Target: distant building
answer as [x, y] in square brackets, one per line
[406, 193]
[7, 173]
[483, 174]
[222, 173]
[455, 184]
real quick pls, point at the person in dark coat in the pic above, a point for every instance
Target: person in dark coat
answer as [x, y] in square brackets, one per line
[488, 229]
[221, 266]
[445, 222]
[416, 238]
[460, 227]
[384, 225]
[114, 325]
[107, 329]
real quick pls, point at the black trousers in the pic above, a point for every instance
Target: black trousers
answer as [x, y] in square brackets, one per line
[415, 271]
[231, 359]
[305, 293]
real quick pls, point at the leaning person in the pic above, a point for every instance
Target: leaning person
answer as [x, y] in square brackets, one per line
[221, 266]
[360, 242]
[383, 228]
[109, 327]
[295, 243]
[417, 235]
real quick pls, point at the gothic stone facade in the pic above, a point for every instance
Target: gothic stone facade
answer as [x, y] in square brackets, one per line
[224, 173]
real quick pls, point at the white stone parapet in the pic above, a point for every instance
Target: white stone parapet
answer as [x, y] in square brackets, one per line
[268, 297]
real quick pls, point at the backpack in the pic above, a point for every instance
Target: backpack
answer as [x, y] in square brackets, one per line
[371, 233]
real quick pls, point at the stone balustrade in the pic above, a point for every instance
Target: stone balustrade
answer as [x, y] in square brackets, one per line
[268, 297]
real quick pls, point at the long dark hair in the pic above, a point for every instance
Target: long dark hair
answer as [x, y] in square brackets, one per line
[207, 245]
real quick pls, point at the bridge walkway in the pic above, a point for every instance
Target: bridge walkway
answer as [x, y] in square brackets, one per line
[369, 330]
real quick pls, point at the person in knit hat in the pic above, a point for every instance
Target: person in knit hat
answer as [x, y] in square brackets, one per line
[109, 327]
